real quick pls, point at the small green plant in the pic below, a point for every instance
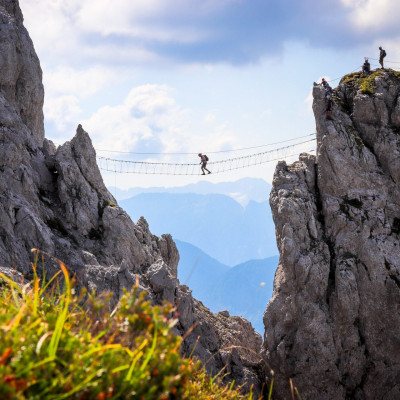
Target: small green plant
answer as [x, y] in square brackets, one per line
[351, 78]
[366, 83]
[359, 141]
[55, 344]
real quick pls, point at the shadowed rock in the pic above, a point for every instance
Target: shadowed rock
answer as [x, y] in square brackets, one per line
[333, 322]
[54, 199]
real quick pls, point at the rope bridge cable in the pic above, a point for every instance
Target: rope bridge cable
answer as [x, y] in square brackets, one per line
[336, 79]
[360, 68]
[209, 152]
[217, 167]
[385, 61]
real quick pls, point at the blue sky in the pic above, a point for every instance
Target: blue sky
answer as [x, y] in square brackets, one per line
[190, 75]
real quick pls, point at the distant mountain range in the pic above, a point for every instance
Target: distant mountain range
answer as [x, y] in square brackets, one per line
[242, 190]
[244, 289]
[216, 223]
[225, 236]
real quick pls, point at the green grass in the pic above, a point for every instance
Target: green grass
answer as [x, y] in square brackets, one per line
[366, 83]
[55, 344]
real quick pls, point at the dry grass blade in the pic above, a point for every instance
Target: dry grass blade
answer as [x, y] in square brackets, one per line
[291, 388]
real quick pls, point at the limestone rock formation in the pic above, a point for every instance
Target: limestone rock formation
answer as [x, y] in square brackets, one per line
[221, 341]
[333, 323]
[20, 72]
[54, 199]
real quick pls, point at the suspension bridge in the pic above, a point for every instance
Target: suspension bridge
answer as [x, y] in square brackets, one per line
[218, 166]
[278, 152]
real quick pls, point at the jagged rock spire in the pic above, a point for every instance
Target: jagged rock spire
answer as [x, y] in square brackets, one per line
[333, 322]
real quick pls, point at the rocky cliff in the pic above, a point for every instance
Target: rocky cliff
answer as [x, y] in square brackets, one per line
[54, 199]
[333, 323]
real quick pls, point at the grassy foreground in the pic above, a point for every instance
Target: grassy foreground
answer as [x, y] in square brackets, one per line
[55, 345]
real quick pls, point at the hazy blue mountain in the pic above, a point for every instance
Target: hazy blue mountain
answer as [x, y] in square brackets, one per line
[216, 226]
[242, 190]
[242, 290]
[245, 290]
[216, 223]
[196, 268]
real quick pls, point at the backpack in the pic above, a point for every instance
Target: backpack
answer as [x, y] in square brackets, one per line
[205, 157]
[383, 53]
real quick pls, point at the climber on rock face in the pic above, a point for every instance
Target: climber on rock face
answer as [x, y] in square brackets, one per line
[366, 68]
[328, 89]
[382, 55]
[328, 96]
[203, 163]
[324, 83]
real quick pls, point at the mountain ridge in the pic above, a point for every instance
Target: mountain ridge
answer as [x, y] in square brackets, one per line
[242, 190]
[243, 289]
[214, 222]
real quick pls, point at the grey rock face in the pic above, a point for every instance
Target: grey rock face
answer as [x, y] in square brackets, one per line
[54, 199]
[221, 342]
[333, 323]
[20, 72]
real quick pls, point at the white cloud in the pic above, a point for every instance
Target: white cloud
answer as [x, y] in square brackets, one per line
[307, 104]
[81, 83]
[65, 88]
[210, 118]
[51, 25]
[115, 55]
[372, 14]
[267, 112]
[139, 19]
[147, 19]
[63, 111]
[150, 120]
[65, 29]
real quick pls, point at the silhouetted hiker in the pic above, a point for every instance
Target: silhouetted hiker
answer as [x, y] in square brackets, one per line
[328, 110]
[366, 67]
[382, 55]
[203, 163]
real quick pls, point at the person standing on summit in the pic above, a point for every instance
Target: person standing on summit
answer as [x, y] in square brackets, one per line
[203, 163]
[382, 55]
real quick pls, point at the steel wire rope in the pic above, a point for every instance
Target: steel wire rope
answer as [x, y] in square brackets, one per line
[354, 70]
[235, 162]
[386, 61]
[210, 152]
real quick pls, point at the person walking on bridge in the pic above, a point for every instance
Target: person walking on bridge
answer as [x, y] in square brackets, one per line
[203, 163]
